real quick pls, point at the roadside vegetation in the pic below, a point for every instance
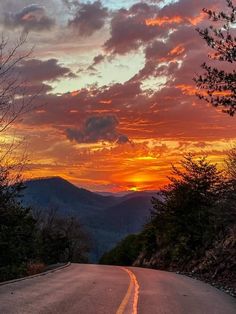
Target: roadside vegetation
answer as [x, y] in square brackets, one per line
[125, 253]
[29, 241]
[192, 227]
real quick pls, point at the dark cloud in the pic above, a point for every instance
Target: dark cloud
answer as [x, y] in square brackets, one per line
[33, 73]
[128, 29]
[98, 128]
[187, 9]
[144, 22]
[89, 18]
[157, 50]
[31, 18]
[33, 88]
[96, 60]
[48, 70]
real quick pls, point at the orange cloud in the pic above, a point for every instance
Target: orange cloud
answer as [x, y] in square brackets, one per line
[192, 90]
[106, 101]
[178, 50]
[164, 20]
[75, 93]
[197, 19]
[159, 21]
[187, 89]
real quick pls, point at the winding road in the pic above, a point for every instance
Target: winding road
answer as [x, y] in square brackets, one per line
[96, 289]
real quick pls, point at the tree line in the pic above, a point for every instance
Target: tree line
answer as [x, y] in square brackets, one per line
[189, 216]
[30, 240]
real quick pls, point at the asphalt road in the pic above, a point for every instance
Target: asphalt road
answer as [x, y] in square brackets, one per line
[94, 289]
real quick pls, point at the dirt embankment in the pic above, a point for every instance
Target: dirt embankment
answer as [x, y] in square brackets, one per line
[216, 266]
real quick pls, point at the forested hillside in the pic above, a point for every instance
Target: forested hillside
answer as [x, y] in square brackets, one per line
[106, 219]
[192, 227]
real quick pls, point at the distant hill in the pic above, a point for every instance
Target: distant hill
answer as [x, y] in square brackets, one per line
[107, 218]
[67, 198]
[129, 215]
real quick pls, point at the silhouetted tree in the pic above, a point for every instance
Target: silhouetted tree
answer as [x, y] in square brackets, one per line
[78, 242]
[193, 222]
[62, 238]
[218, 86]
[230, 214]
[124, 253]
[231, 163]
[18, 232]
[185, 214]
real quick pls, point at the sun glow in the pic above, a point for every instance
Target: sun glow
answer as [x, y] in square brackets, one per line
[134, 189]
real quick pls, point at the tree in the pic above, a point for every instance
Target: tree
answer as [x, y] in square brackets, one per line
[18, 233]
[231, 164]
[216, 85]
[78, 243]
[62, 238]
[13, 100]
[185, 215]
[124, 253]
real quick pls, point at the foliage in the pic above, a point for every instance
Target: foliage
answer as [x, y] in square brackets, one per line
[194, 211]
[189, 216]
[125, 253]
[218, 85]
[62, 239]
[231, 164]
[28, 242]
[18, 234]
[34, 268]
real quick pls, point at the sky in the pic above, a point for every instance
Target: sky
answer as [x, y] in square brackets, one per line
[116, 103]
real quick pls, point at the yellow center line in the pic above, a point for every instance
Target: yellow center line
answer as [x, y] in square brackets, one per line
[133, 284]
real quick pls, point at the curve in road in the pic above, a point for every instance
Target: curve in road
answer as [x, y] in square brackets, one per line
[96, 289]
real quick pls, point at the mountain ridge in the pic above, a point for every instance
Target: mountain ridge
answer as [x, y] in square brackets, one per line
[107, 218]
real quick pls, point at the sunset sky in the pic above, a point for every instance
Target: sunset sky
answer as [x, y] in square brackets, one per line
[118, 102]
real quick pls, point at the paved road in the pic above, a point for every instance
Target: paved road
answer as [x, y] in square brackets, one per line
[94, 289]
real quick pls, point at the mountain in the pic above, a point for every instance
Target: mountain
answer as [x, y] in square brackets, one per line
[129, 215]
[107, 218]
[58, 193]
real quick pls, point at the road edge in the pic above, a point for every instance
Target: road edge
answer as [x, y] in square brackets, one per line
[34, 276]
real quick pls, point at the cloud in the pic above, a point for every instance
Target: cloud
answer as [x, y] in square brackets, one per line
[31, 18]
[142, 23]
[96, 60]
[96, 129]
[40, 70]
[34, 73]
[128, 29]
[89, 18]
[168, 109]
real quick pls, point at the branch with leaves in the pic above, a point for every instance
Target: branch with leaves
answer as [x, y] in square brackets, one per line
[217, 86]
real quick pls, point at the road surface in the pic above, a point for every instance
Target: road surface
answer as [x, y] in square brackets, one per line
[95, 289]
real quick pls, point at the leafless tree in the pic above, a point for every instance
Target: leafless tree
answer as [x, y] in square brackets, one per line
[13, 101]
